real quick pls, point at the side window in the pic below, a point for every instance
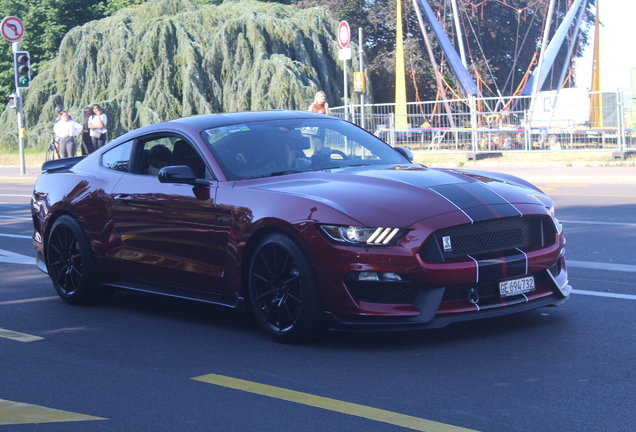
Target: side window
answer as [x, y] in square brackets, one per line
[168, 151]
[118, 158]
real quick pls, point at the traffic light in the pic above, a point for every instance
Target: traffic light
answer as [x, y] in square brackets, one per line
[21, 63]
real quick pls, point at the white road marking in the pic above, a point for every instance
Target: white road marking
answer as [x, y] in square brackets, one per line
[592, 265]
[16, 236]
[605, 294]
[598, 223]
[14, 258]
[17, 336]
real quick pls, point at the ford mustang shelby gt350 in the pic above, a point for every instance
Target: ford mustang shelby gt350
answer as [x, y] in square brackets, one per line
[307, 220]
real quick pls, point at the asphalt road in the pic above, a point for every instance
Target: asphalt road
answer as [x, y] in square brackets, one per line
[146, 363]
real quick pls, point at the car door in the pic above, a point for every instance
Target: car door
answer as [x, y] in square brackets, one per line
[167, 232]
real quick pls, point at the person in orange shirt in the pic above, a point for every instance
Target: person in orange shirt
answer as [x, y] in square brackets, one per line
[320, 104]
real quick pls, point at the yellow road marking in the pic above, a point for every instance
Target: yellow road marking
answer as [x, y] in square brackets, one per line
[389, 417]
[18, 179]
[21, 413]
[31, 300]
[553, 187]
[21, 337]
[560, 185]
[594, 195]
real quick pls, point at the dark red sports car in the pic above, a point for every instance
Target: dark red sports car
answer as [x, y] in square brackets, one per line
[306, 219]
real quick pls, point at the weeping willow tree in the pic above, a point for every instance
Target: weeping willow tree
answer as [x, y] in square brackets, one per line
[166, 59]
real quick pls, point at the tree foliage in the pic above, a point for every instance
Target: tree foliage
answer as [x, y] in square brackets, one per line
[166, 59]
[210, 52]
[45, 24]
[501, 41]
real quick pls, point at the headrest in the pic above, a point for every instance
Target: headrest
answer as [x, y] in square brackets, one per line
[296, 141]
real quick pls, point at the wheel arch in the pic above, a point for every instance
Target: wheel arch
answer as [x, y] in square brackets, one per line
[252, 242]
[50, 223]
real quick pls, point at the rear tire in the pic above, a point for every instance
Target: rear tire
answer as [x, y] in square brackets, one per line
[50, 154]
[284, 291]
[71, 264]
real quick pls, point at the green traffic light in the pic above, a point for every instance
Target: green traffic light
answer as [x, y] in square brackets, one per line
[24, 80]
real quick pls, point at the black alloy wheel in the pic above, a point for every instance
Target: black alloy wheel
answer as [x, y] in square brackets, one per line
[284, 292]
[71, 264]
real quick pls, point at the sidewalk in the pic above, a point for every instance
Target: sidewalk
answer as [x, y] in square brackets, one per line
[535, 172]
[11, 174]
[560, 172]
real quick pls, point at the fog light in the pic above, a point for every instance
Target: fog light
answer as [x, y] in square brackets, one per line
[390, 276]
[376, 277]
[368, 276]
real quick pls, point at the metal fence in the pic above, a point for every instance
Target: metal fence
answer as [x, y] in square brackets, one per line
[571, 120]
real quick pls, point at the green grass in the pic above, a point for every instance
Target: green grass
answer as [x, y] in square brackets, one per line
[13, 158]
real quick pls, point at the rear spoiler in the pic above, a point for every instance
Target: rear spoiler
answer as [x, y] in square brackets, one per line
[61, 164]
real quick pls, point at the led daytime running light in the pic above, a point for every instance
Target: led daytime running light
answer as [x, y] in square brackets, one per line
[359, 235]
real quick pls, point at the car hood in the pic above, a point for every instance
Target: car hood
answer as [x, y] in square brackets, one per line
[406, 194]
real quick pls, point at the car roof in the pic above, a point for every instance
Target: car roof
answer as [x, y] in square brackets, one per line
[206, 121]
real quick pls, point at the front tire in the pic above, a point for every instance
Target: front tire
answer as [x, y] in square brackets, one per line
[50, 154]
[71, 264]
[284, 291]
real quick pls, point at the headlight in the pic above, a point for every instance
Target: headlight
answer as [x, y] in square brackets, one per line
[361, 236]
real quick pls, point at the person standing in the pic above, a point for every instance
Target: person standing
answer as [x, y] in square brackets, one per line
[97, 126]
[87, 142]
[320, 104]
[66, 129]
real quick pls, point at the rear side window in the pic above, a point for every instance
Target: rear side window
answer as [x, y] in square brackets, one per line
[118, 158]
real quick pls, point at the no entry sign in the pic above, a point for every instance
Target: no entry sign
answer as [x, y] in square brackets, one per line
[344, 35]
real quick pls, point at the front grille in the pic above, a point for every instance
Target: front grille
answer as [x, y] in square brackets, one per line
[488, 236]
[486, 291]
[555, 269]
[460, 292]
[383, 292]
[406, 292]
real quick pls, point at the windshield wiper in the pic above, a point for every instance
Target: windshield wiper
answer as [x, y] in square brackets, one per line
[275, 173]
[325, 168]
[278, 173]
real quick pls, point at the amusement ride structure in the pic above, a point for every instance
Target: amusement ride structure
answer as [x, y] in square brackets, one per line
[524, 109]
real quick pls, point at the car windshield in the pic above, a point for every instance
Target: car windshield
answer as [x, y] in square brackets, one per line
[269, 148]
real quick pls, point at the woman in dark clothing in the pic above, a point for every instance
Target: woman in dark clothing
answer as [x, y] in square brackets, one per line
[97, 125]
[87, 143]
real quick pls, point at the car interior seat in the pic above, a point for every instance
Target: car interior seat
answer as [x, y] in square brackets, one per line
[184, 154]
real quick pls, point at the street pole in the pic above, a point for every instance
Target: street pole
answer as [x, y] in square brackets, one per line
[346, 90]
[21, 132]
[361, 71]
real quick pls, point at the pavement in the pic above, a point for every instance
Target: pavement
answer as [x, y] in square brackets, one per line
[534, 172]
[561, 172]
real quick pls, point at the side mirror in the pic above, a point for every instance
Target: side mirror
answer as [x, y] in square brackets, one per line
[405, 152]
[177, 174]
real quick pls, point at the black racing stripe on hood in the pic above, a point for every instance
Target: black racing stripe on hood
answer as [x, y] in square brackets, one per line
[477, 201]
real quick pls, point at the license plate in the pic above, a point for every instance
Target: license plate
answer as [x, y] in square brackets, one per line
[516, 286]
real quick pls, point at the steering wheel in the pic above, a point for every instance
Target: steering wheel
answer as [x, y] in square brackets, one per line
[342, 154]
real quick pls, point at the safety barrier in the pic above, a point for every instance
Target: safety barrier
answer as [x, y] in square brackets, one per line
[572, 120]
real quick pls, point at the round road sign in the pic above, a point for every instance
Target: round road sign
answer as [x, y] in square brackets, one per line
[12, 29]
[344, 35]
